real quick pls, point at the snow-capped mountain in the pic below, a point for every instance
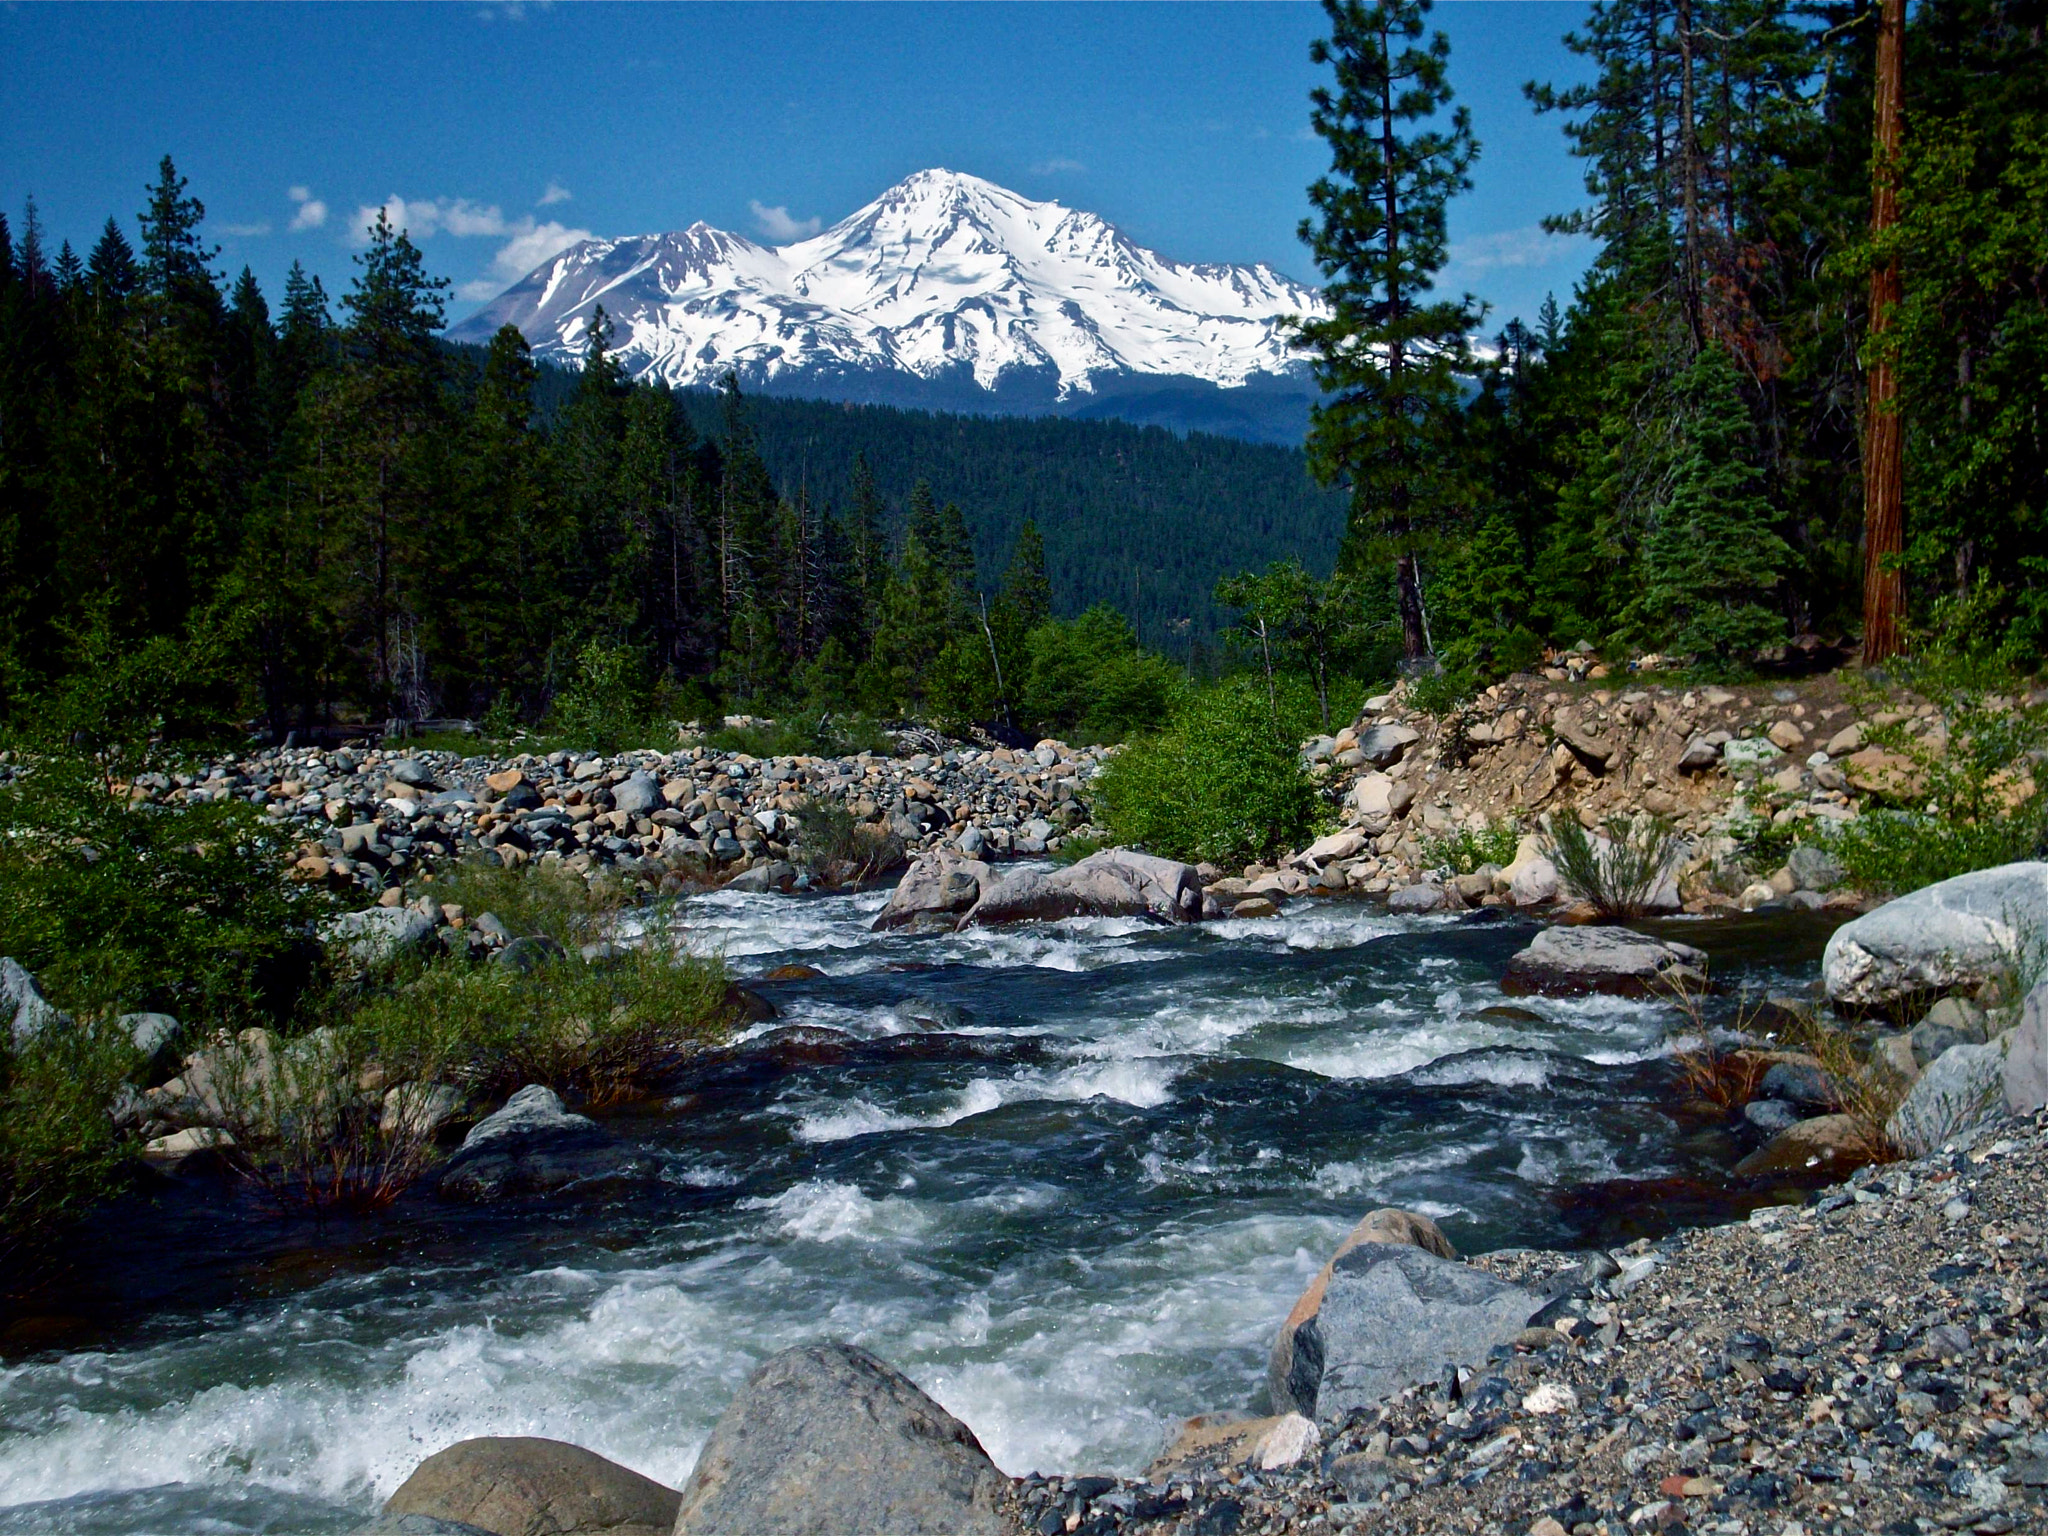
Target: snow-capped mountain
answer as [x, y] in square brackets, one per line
[946, 291]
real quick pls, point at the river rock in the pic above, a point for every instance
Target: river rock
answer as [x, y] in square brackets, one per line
[826, 1440]
[1804, 1085]
[22, 1003]
[769, 875]
[1333, 849]
[1421, 897]
[1962, 1088]
[1836, 1144]
[154, 1036]
[377, 936]
[637, 795]
[520, 1486]
[933, 891]
[1951, 936]
[1117, 882]
[1385, 745]
[2025, 1074]
[534, 1146]
[1565, 962]
[1814, 869]
[1531, 879]
[1392, 1315]
[1387, 1225]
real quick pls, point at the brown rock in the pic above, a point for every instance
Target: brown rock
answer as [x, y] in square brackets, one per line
[1889, 775]
[520, 1486]
[505, 782]
[1832, 1144]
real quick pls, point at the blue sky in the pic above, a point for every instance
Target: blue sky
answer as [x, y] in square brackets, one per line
[509, 130]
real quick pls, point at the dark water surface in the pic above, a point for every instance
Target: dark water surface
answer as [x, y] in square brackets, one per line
[1068, 1177]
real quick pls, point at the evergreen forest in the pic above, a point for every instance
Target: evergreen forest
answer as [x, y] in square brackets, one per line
[338, 516]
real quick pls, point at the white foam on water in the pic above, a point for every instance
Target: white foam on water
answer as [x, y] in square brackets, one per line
[1142, 1082]
[824, 1211]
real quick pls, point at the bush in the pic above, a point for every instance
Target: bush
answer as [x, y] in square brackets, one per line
[1620, 870]
[1219, 783]
[1468, 848]
[609, 705]
[1087, 680]
[119, 906]
[808, 734]
[837, 849]
[59, 1154]
[1441, 692]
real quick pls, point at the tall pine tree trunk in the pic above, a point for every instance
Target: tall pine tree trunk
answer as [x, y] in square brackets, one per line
[1884, 444]
[1414, 639]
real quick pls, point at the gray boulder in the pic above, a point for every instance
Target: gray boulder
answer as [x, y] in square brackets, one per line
[534, 1146]
[826, 1440]
[410, 770]
[377, 936]
[1117, 882]
[155, 1037]
[1389, 1224]
[1814, 869]
[1422, 897]
[1565, 962]
[520, 1486]
[2025, 1074]
[1385, 745]
[1393, 1315]
[770, 875]
[637, 795]
[1961, 1089]
[1952, 936]
[1804, 1086]
[935, 889]
[22, 1003]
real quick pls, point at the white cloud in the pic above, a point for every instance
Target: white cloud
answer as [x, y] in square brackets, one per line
[311, 214]
[243, 231]
[1058, 165]
[777, 224]
[528, 241]
[1529, 246]
[556, 193]
[531, 246]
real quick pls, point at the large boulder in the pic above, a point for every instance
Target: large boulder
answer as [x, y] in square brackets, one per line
[1952, 936]
[518, 1486]
[1392, 1315]
[534, 1146]
[1385, 745]
[826, 1440]
[1387, 1225]
[2025, 1074]
[376, 936]
[1531, 879]
[23, 1005]
[1566, 962]
[637, 795]
[1961, 1088]
[1117, 882]
[933, 892]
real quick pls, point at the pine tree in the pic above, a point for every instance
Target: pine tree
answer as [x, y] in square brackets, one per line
[1711, 554]
[110, 270]
[1388, 358]
[1027, 590]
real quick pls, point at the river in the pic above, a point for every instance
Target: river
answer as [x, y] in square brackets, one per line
[1068, 1177]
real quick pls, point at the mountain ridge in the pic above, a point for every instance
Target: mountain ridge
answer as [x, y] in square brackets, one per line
[946, 292]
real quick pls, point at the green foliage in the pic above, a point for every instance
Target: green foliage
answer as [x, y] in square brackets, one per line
[837, 848]
[1086, 680]
[1463, 851]
[1219, 783]
[608, 705]
[806, 733]
[1441, 692]
[1619, 870]
[1287, 620]
[59, 1156]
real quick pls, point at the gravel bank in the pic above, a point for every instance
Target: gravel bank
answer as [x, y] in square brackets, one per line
[1870, 1362]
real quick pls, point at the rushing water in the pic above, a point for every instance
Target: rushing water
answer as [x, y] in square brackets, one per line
[1067, 1176]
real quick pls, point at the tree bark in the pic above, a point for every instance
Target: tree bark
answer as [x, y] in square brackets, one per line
[1884, 445]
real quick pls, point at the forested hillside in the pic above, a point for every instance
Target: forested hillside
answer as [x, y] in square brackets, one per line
[1138, 517]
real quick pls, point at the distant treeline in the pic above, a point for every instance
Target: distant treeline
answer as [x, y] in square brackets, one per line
[341, 515]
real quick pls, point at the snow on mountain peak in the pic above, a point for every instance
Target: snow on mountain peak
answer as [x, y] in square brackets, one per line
[945, 276]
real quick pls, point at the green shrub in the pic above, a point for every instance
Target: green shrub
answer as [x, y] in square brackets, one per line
[1619, 871]
[837, 848]
[1466, 849]
[610, 705]
[806, 734]
[59, 1155]
[1086, 680]
[120, 906]
[1438, 693]
[1219, 783]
